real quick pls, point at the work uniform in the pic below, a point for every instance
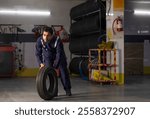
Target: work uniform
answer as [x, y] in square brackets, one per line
[52, 54]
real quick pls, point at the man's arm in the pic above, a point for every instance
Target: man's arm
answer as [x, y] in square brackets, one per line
[59, 50]
[38, 52]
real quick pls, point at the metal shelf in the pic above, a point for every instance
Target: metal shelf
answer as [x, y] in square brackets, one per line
[98, 66]
[85, 15]
[103, 65]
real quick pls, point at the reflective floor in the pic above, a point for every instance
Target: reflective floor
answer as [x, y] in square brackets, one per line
[137, 88]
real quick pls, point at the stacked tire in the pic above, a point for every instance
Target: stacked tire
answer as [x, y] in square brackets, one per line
[85, 8]
[88, 23]
[79, 65]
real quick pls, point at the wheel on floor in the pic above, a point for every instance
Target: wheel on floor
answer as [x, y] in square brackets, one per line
[47, 83]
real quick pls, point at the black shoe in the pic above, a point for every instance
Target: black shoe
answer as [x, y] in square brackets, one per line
[56, 94]
[68, 93]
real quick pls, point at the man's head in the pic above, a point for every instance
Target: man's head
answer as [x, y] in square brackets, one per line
[47, 34]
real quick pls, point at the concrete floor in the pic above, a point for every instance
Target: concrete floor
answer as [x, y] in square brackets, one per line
[137, 88]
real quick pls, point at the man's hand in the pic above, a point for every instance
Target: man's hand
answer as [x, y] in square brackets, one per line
[41, 65]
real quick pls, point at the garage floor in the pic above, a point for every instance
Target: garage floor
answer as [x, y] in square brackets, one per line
[23, 89]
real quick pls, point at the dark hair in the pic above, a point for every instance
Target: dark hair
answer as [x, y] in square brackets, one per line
[48, 29]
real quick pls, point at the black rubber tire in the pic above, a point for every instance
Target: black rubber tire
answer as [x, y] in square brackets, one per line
[74, 65]
[44, 92]
[89, 42]
[86, 25]
[84, 67]
[83, 9]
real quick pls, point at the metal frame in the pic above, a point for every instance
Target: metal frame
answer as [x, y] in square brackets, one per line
[104, 64]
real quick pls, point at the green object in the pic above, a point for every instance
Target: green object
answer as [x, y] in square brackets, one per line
[108, 45]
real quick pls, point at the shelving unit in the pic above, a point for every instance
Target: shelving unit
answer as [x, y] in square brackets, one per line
[87, 14]
[99, 31]
[87, 24]
[101, 70]
[98, 13]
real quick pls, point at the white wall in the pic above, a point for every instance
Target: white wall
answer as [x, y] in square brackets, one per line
[29, 55]
[60, 10]
[117, 38]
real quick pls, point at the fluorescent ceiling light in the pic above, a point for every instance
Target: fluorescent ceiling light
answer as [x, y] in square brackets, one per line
[141, 2]
[109, 14]
[25, 12]
[142, 12]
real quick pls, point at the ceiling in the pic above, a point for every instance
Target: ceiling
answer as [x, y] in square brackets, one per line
[136, 24]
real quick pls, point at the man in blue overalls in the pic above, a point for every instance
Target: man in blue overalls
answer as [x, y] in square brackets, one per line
[50, 53]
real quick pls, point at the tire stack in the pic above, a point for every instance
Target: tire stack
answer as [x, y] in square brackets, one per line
[79, 65]
[88, 23]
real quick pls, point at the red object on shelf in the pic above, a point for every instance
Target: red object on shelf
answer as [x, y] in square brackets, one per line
[7, 61]
[101, 63]
[61, 32]
[7, 48]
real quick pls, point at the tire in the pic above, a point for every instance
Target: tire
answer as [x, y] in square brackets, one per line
[74, 65]
[89, 41]
[47, 74]
[83, 9]
[86, 25]
[84, 67]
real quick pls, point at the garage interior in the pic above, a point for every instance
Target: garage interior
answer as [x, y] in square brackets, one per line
[106, 43]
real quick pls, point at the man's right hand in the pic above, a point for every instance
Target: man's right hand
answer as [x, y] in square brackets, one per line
[41, 65]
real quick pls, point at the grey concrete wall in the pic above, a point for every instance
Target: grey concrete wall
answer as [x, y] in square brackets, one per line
[60, 10]
[138, 25]
[147, 53]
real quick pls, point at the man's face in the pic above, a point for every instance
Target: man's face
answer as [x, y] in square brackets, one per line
[47, 36]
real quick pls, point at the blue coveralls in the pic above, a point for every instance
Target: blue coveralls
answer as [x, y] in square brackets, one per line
[52, 55]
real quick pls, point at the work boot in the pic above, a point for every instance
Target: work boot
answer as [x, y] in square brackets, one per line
[68, 93]
[56, 94]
